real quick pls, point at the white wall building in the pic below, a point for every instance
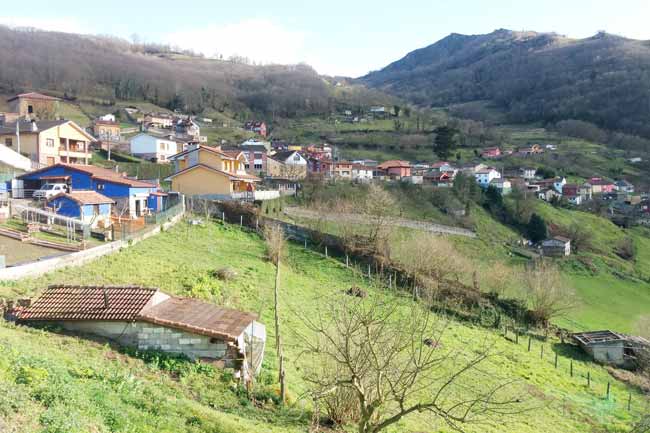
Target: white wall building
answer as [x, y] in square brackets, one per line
[361, 173]
[484, 177]
[150, 147]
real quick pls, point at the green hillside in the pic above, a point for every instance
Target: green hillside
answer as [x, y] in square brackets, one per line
[68, 384]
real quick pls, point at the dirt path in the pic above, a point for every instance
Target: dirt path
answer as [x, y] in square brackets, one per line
[399, 222]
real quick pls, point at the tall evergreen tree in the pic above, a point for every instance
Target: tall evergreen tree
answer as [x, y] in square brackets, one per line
[445, 141]
[537, 230]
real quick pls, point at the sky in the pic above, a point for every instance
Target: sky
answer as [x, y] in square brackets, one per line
[336, 37]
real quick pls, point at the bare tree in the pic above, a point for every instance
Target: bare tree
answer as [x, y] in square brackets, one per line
[378, 208]
[547, 293]
[275, 245]
[386, 356]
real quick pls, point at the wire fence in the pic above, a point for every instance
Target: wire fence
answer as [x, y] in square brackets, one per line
[565, 358]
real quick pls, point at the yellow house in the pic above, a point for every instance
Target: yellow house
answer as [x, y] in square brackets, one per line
[210, 171]
[48, 142]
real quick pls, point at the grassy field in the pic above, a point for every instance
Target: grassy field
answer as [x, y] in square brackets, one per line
[66, 384]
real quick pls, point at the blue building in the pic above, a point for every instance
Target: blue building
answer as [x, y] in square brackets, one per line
[91, 207]
[131, 196]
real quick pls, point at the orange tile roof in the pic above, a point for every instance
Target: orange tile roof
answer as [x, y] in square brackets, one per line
[393, 164]
[88, 303]
[85, 197]
[198, 317]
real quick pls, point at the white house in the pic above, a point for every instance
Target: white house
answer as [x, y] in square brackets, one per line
[361, 173]
[559, 184]
[503, 185]
[107, 117]
[527, 173]
[484, 177]
[152, 147]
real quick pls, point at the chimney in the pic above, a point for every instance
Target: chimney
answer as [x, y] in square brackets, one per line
[34, 126]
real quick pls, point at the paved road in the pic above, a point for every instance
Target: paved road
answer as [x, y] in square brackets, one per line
[399, 222]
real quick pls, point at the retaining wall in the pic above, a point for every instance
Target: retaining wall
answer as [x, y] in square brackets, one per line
[35, 269]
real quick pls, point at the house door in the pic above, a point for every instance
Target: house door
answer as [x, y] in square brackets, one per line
[138, 208]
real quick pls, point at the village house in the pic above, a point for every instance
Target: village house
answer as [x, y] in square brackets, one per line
[601, 186]
[335, 169]
[34, 106]
[48, 142]
[491, 153]
[502, 185]
[148, 319]
[153, 147]
[556, 246]
[571, 192]
[624, 186]
[441, 179]
[321, 152]
[188, 130]
[546, 194]
[443, 166]
[131, 197]
[471, 168]
[292, 165]
[608, 347]
[527, 173]
[256, 158]
[366, 162]
[158, 120]
[91, 207]
[257, 127]
[107, 130]
[534, 149]
[361, 173]
[395, 169]
[211, 172]
[484, 177]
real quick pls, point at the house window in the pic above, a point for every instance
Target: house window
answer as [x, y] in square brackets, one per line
[100, 187]
[49, 142]
[258, 166]
[247, 166]
[30, 109]
[8, 142]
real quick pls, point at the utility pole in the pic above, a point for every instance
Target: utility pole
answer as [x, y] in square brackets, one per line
[18, 135]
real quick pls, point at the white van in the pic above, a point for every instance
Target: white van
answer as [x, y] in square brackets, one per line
[50, 190]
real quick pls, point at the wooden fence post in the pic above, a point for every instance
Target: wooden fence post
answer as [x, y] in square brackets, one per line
[390, 281]
[571, 368]
[608, 389]
[629, 402]
[369, 274]
[555, 359]
[541, 352]
[516, 336]
[241, 220]
[347, 261]
[530, 341]
[257, 224]
[588, 379]
[326, 255]
[305, 243]
[223, 217]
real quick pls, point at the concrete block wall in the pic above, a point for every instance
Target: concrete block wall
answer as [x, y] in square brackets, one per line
[195, 346]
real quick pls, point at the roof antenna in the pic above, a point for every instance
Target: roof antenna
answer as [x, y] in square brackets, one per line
[105, 297]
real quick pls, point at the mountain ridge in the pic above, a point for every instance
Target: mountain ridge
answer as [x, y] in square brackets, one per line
[604, 79]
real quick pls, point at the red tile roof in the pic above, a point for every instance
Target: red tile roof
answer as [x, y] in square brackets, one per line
[198, 317]
[98, 303]
[88, 303]
[34, 95]
[393, 164]
[85, 197]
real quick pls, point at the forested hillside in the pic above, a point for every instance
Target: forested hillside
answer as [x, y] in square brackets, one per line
[604, 79]
[105, 68]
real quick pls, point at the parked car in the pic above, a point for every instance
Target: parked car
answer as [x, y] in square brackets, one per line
[50, 190]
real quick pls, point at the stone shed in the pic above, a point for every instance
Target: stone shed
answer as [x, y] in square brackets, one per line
[149, 319]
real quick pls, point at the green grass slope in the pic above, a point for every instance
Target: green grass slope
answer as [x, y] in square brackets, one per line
[62, 384]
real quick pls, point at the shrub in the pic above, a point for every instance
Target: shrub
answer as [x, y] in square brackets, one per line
[225, 274]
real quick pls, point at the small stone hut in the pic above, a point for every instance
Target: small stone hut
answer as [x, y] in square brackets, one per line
[149, 319]
[608, 347]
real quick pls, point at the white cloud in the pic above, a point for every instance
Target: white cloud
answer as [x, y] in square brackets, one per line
[260, 40]
[67, 25]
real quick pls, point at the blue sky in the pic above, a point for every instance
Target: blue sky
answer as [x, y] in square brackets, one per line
[336, 37]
